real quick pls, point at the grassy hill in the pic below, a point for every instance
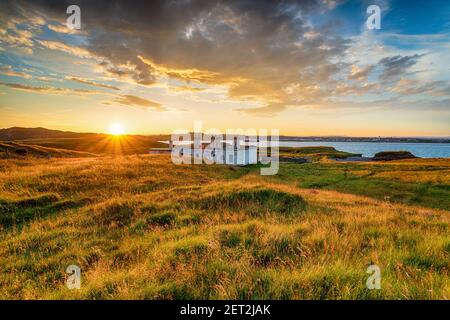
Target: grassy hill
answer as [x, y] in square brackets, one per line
[11, 150]
[423, 182]
[315, 153]
[141, 227]
[19, 133]
[83, 142]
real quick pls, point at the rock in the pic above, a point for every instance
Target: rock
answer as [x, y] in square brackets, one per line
[354, 159]
[393, 155]
[294, 159]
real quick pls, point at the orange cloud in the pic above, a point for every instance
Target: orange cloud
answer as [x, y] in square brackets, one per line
[92, 83]
[130, 100]
[8, 71]
[60, 46]
[49, 90]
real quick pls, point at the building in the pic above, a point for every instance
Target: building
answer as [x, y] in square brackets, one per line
[241, 153]
[234, 152]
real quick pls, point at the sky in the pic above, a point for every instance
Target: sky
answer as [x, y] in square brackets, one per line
[303, 67]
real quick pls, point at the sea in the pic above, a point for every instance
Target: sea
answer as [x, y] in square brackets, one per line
[369, 149]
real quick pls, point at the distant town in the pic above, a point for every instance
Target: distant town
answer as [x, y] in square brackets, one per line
[368, 139]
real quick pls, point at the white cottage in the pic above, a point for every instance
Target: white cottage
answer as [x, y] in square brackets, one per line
[242, 154]
[234, 152]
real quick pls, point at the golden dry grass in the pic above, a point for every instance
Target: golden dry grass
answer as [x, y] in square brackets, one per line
[142, 228]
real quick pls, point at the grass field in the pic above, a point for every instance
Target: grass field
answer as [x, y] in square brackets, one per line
[315, 152]
[101, 143]
[423, 182]
[141, 227]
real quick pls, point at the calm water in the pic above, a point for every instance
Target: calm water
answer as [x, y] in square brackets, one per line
[368, 149]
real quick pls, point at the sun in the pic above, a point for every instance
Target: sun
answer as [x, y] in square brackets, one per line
[117, 129]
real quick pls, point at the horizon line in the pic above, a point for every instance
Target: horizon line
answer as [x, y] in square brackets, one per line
[281, 135]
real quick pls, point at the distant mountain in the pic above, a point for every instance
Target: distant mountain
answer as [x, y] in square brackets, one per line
[18, 133]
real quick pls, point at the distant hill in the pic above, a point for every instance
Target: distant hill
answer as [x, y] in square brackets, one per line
[18, 133]
[13, 150]
[97, 143]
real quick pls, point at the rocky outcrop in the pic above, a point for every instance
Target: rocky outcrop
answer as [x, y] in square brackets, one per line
[393, 155]
[295, 160]
[382, 156]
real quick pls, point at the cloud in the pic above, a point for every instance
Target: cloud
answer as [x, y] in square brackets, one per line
[257, 51]
[128, 72]
[410, 87]
[186, 89]
[49, 90]
[343, 89]
[9, 71]
[270, 53]
[396, 66]
[360, 74]
[130, 100]
[17, 26]
[92, 83]
[43, 78]
[188, 74]
[264, 111]
[18, 38]
[62, 28]
[60, 46]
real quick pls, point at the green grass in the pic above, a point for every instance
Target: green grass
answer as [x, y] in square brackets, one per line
[315, 152]
[97, 144]
[384, 181]
[140, 227]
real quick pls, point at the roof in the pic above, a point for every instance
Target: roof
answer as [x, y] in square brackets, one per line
[224, 142]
